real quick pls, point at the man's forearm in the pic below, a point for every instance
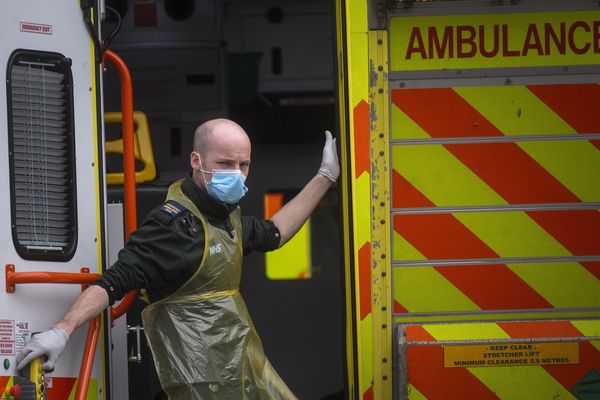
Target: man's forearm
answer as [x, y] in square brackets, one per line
[88, 305]
[290, 218]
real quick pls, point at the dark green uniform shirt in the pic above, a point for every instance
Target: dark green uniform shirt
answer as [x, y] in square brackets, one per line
[167, 248]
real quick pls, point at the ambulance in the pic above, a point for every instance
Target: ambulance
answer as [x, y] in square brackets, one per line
[472, 153]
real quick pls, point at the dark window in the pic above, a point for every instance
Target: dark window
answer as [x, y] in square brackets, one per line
[41, 154]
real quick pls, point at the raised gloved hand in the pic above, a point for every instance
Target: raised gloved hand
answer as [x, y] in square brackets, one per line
[330, 166]
[50, 343]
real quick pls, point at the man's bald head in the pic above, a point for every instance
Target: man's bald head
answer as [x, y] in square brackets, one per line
[203, 136]
[219, 144]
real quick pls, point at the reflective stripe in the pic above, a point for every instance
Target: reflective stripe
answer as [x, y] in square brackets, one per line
[517, 177]
[358, 60]
[567, 376]
[574, 163]
[366, 351]
[403, 127]
[589, 328]
[362, 210]
[441, 177]
[364, 280]
[531, 382]
[494, 287]
[404, 250]
[512, 234]
[579, 289]
[414, 394]
[576, 104]
[495, 174]
[480, 331]
[442, 236]
[423, 289]
[361, 139]
[426, 372]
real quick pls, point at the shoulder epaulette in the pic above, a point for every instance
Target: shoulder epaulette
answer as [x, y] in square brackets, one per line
[172, 208]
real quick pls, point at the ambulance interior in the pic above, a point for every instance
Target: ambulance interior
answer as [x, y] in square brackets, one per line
[269, 66]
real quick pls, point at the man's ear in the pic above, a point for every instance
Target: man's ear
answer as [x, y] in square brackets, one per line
[194, 160]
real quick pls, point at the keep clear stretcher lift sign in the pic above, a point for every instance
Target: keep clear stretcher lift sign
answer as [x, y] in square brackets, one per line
[512, 40]
[511, 354]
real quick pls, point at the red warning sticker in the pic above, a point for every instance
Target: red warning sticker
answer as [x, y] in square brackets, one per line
[7, 337]
[32, 27]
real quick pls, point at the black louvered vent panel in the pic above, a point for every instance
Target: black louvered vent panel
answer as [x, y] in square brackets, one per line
[41, 144]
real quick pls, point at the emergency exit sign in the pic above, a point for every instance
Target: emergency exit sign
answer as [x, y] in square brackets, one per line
[511, 354]
[33, 27]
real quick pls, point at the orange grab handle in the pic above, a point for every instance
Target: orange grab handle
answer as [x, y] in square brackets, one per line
[14, 278]
[87, 362]
[128, 165]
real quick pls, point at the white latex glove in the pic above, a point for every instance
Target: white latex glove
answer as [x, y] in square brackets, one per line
[330, 166]
[50, 343]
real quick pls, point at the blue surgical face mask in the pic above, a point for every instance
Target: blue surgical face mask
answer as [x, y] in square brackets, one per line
[226, 185]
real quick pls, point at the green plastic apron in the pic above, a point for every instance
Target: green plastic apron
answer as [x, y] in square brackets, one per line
[202, 338]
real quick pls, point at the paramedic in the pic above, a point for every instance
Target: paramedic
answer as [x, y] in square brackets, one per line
[186, 256]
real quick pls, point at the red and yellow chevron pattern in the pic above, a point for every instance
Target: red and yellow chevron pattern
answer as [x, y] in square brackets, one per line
[505, 155]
